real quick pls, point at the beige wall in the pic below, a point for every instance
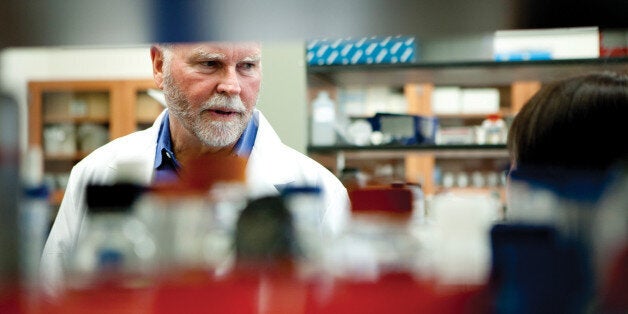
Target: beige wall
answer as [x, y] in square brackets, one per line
[283, 97]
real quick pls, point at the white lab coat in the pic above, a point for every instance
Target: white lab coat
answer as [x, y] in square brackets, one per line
[270, 164]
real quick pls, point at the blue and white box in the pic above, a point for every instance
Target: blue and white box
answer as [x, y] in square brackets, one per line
[546, 44]
[367, 50]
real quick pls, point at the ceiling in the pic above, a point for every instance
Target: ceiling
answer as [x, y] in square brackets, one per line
[122, 22]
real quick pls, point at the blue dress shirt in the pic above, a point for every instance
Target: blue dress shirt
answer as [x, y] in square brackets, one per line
[166, 164]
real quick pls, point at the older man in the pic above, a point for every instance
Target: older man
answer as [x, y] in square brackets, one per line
[211, 90]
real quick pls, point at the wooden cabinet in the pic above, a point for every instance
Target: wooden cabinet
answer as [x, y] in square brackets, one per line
[69, 119]
[427, 164]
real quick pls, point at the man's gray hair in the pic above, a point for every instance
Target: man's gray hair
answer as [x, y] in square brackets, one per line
[166, 51]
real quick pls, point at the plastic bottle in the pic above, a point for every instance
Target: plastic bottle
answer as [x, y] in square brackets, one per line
[323, 120]
[495, 130]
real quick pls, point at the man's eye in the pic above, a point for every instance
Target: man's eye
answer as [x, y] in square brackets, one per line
[211, 64]
[248, 66]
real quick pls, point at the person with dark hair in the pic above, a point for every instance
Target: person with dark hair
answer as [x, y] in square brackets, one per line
[566, 145]
[576, 123]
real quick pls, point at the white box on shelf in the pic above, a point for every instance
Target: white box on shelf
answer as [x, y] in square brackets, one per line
[455, 135]
[546, 44]
[480, 100]
[446, 100]
[352, 101]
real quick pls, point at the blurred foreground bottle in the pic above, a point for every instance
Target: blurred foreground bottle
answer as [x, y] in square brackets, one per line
[378, 239]
[34, 224]
[375, 264]
[34, 217]
[352, 178]
[610, 244]
[9, 193]
[268, 251]
[114, 247]
[542, 256]
[265, 237]
[312, 235]
[457, 229]
[112, 267]
[194, 219]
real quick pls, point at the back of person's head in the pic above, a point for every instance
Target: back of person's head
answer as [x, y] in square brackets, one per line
[576, 123]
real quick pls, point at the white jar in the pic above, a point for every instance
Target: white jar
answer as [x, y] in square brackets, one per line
[323, 131]
[494, 129]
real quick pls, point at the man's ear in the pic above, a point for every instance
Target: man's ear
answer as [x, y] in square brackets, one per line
[157, 58]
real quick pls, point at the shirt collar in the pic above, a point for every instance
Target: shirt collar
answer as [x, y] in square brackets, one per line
[242, 148]
[164, 143]
[244, 145]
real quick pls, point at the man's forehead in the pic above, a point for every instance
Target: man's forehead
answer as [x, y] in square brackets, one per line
[237, 49]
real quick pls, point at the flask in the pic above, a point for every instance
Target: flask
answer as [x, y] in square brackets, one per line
[495, 130]
[323, 120]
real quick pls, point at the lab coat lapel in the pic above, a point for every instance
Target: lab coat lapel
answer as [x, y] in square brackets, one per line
[141, 157]
[269, 168]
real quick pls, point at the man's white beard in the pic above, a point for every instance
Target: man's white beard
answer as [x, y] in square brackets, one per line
[211, 133]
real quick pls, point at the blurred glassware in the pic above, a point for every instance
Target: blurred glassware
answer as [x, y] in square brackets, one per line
[378, 239]
[114, 247]
[60, 139]
[91, 136]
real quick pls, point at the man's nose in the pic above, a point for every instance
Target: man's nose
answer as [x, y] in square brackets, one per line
[229, 82]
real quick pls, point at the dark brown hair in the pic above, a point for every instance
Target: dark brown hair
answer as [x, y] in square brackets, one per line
[576, 123]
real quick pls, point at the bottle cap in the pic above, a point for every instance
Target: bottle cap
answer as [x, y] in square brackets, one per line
[117, 197]
[305, 189]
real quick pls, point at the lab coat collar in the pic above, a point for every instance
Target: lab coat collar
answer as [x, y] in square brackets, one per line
[141, 157]
[270, 166]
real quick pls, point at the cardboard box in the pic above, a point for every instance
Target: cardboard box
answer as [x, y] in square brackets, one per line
[446, 100]
[406, 129]
[480, 100]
